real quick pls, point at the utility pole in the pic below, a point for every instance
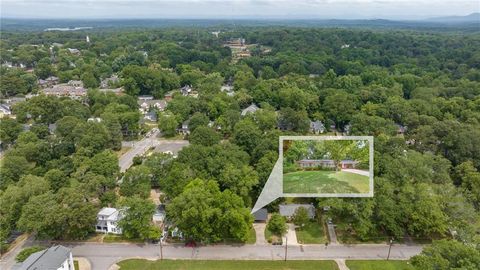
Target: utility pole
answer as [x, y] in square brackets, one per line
[389, 249]
[286, 247]
[161, 249]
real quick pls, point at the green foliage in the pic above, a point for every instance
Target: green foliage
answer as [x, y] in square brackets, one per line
[204, 136]
[136, 223]
[26, 252]
[9, 130]
[300, 217]
[136, 181]
[204, 213]
[277, 224]
[447, 254]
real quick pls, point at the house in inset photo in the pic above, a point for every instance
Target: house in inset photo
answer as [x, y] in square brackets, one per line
[326, 167]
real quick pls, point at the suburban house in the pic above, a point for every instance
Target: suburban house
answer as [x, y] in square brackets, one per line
[107, 220]
[186, 90]
[108, 82]
[184, 129]
[48, 82]
[53, 258]
[250, 109]
[74, 51]
[261, 215]
[326, 163]
[288, 210]
[73, 89]
[147, 104]
[5, 110]
[168, 96]
[317, 127]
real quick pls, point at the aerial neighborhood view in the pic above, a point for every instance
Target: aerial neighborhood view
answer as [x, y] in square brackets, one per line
[224, 135]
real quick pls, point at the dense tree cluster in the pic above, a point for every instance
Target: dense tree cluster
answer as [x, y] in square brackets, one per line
[418, 93]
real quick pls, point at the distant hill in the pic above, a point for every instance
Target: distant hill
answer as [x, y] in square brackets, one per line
[474, 17]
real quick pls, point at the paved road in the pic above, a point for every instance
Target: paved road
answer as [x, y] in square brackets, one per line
[102, 256]
[140, 147]
[8, 259]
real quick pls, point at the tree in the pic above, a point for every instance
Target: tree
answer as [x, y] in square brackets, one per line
[9, 130]
[105, 163]
[136, 222]
[167, 123]
[198, 119]
[340, 107]
[204, 136]
[136, 181]
[277, 224]
[44, 68]
[56, 178]
[246, 135]
[301, 217]
[204, 213]
[447, 254]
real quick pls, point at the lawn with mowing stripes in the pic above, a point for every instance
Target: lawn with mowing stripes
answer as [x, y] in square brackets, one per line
[225, 265]
[325, 182]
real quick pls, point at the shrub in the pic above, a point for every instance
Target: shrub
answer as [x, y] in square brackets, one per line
[25, 253]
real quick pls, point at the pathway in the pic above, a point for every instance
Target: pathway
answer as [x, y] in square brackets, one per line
[260, 233]
[341, 264]
[8, 259]
[332, 235]
[291, 235]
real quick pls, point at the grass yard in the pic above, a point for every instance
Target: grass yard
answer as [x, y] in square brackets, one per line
[272, 238]
[75, 265]
[311, 233]
[379, 265]
[347, 235]
[325, 182]
[138, 264]
[252, 238]
[112, 238]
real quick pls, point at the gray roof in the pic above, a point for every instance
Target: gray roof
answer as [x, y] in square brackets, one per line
[48, 259]
[288, 210]
[250, 109]
[261, 214]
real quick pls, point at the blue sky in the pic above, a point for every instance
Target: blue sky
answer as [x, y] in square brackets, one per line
[224, 9]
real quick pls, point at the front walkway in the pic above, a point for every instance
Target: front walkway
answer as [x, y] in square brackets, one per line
[341, 264]
[291, 235]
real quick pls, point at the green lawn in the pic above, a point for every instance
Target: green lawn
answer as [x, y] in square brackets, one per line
[311, 233]
[252, 238]
[113, 238]
[325, 182]
[75, 265]
[379, 265]
[138, 264]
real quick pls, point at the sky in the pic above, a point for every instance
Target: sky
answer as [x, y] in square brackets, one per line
[236, 9]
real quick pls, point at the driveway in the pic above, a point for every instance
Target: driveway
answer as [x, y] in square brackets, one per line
[8, 259]
[361, 172]
[291, 235]
[102, 256]
[260, 233]
[332, 235]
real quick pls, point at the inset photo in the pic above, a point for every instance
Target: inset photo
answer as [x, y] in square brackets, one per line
[326, 166]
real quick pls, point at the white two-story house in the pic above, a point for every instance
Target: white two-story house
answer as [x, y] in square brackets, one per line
[107, 220]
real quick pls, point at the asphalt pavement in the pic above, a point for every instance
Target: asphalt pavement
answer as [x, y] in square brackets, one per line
[102, 256]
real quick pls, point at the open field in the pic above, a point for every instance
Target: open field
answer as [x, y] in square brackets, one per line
[379, 265]
[225, 265]
[325, 182]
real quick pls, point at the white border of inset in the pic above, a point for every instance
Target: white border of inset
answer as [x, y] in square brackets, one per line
[329, 138]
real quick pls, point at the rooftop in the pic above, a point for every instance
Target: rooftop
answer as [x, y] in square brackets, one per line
[48, 259]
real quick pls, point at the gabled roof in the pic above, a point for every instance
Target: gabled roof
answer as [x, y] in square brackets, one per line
[261, 214]
[288, 210]
[48, 259]
[250, 109]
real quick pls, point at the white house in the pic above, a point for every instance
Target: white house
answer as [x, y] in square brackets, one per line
[53, 258]
[107, 220]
